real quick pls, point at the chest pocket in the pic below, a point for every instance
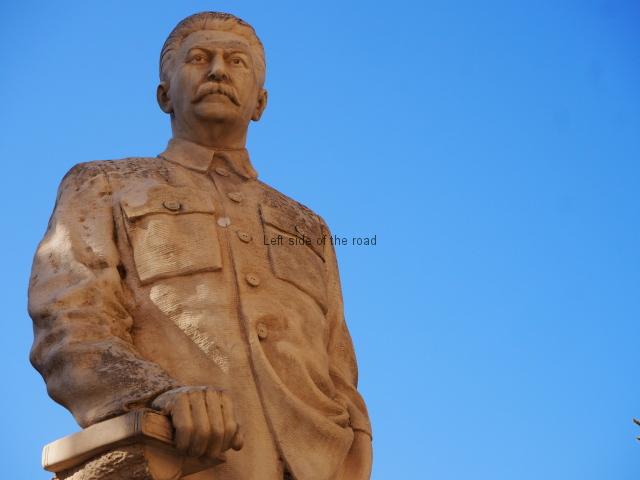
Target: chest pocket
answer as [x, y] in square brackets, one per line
[172, 232]
[298, 257]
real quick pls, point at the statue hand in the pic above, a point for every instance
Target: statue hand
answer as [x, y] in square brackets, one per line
[203, 419]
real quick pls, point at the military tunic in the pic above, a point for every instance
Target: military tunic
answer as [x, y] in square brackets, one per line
[185, 269]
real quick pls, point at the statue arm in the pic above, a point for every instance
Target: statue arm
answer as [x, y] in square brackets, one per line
[343, 367]
[82, 329]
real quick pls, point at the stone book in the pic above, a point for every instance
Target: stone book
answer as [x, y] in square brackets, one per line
[147, 430]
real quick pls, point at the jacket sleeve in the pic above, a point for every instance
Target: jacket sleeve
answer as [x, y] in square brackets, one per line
[83, 346]
[342, 359]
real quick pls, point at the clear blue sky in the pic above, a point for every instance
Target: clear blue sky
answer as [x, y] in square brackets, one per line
[492, 147]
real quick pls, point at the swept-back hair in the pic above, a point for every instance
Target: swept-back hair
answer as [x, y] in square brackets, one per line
[212, 21]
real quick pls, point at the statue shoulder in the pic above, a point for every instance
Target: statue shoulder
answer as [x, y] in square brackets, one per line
[113, 172]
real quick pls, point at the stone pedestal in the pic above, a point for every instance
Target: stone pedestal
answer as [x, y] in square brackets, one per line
[134, 446]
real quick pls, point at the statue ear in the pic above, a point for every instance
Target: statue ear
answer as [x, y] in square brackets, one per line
[162, 94]
[261, 105]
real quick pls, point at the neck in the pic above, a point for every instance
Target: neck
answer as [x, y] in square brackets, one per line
[217, 135]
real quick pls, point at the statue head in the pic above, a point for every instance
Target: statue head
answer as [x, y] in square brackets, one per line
[212, 71]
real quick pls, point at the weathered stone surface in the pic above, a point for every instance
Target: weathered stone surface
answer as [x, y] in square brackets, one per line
[184, 284]
[125, 463]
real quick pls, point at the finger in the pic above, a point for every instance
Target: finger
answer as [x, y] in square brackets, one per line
[238, 440]
[216, 423]
[201, 429]
[229, 417]
[182, 423]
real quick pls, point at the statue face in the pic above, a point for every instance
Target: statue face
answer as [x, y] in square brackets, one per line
[213, 78]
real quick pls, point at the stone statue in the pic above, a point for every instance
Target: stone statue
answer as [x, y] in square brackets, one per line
[184, 285]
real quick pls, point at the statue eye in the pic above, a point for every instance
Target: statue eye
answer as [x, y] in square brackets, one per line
[237, 61]
[197, 58]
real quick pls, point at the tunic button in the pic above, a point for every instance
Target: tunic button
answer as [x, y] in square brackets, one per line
[252, 279]
[222, 171]
[235, 196]
[224, 221]
[262, 331]
[172, 205]
[244, 236]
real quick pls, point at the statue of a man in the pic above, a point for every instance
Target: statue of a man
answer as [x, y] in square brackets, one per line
[184, 284]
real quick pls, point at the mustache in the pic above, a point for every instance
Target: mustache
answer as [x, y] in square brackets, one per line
[212, 87]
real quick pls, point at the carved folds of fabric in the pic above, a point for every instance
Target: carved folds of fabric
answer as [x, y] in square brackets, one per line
[172, 232]
[299, 257]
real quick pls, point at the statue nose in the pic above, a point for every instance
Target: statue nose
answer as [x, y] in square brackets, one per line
[217, 70]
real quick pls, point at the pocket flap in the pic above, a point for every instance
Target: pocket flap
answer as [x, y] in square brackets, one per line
[295, 223]
[163, 199]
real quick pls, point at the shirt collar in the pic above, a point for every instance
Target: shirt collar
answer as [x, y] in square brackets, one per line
[199, 158]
